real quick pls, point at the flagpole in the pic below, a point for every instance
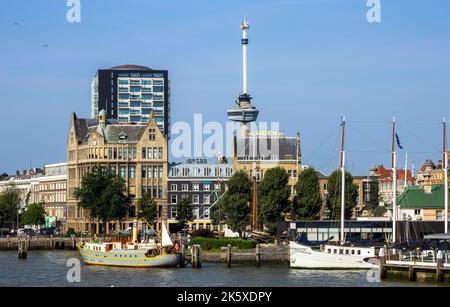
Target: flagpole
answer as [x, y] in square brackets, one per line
[406, 171]
[445, 168]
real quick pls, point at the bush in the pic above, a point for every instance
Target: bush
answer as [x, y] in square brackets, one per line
[70, 231]
[205, 233]
[214, 243]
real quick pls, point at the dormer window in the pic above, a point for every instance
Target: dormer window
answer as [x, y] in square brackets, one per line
[152, 134]
[122, 136]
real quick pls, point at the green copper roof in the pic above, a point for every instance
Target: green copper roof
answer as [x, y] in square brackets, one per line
[417, 198]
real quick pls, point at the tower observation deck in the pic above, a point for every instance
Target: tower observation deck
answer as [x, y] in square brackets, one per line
[244, 112]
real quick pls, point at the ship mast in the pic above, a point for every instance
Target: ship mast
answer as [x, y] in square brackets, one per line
[342, 166]
[445, 168]
[394, 183]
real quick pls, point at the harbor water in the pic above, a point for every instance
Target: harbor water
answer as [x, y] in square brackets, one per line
[49, 268]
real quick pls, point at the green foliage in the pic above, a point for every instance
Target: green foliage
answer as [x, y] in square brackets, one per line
[334, 194]
[10, 200]
[104, 195]
[308, 201]
[70, 231]
[184, 213]
[216, 244]
[147, 209]
[374, 198]
[34, 214]
[274, 197]
[234, 207]
[379, 211]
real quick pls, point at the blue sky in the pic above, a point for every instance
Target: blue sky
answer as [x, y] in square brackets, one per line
[310, 61]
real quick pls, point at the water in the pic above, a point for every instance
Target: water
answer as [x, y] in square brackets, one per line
[48, 268]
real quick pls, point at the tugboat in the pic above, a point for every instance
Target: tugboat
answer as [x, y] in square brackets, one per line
[131, 254]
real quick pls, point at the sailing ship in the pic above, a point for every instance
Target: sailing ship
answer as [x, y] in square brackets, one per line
[131, 254]
[327, 255]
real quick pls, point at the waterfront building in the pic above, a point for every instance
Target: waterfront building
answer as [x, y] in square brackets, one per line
[422, 203]
[430, 174]
[51, 189]
[201, 183]
[23, 181]
[138, 153]
[385, 182]
[130, 93]
[263, 150]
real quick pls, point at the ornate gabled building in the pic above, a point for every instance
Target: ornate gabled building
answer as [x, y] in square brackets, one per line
[263, 150]
[385, 182]
[138, 153]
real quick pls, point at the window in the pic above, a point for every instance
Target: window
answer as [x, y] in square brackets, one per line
[195, 212]
[195, 199]
[149, 172]
[155, 191]
[195, 187]
[417, 212]
[144, 172]
[112, 169]
[154, 152]
[122, 171]
[134, 152]
[160, 171]
[173, 187]
[185, 187]
[110, 153]
[206, 199]
[160, 191]
[173, 199]
[206, 187]
[125, 153]
[144, 151]
[206, 213]
[115, 152]
[152, 134]
[173, 212]
[132, 172]
[120, 152]
[155, 172]
[149, 155]
[160, 153]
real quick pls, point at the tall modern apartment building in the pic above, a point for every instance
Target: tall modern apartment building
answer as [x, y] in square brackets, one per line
[130, 93]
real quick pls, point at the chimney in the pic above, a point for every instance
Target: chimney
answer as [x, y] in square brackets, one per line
[17, 173]
[439, 164]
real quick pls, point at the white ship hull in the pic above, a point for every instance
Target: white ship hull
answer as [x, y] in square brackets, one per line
[330, 257]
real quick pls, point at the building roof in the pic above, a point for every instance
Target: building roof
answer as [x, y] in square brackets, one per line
[386, 174]
[113, 132]
[415, 197]
[130, 67]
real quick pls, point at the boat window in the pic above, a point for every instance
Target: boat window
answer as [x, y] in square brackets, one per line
[341, 251]
[359, 252]
[329, 251]
[346, 251]
[353, 251]
[335, 251]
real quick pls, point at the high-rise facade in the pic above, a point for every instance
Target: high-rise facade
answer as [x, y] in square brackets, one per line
[130, 93]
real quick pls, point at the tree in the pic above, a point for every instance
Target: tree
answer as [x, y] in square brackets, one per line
[234, 207]
[3, 176]
[308, 201]
[147, 209]
[274, 195]
[10, 200]
[104, 195]
[334, 194]
[34, 214]
[374, 198]
[184, 213]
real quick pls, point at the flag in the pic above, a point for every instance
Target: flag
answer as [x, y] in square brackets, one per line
[398, 141]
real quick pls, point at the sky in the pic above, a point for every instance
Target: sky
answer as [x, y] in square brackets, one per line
[310, 62]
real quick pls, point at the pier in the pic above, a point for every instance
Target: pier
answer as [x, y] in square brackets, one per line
[413, 267]
[37, 243]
